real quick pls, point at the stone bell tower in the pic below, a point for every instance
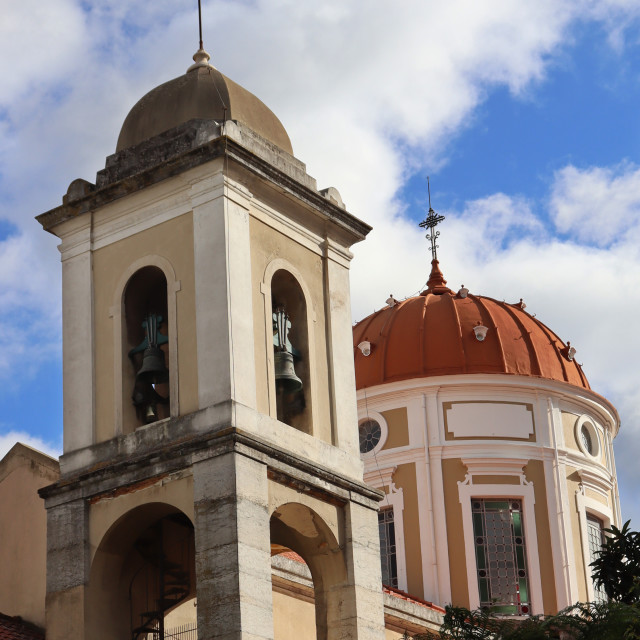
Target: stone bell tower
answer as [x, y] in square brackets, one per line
[209, 399]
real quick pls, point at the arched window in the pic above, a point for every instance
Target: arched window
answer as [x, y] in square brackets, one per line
[291, 351]
[146, 366]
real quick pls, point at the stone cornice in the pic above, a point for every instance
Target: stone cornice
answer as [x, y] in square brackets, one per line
[86, 197]
[179, 456]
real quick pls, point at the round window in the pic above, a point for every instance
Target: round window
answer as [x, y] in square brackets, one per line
[370, 434]
[586, 435]
[586, 439]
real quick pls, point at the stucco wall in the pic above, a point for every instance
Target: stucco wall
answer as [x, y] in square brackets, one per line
[405, 479]
[453, 471]
[398, 424]
[23, 532]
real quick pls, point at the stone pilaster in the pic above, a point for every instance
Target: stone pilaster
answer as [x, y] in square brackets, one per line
[67, 569]
[233, 559]
[355, 609]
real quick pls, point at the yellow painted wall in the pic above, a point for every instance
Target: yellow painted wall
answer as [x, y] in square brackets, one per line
[293, 618]
[590, 493]
[405, 479]
[172, 240]
[267, 244]
[534, 472]
[453, 471]
[568, 428]
[23, 532]
[398, 423]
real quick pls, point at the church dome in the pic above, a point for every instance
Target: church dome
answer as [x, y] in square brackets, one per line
[202, 93]
[441, 332]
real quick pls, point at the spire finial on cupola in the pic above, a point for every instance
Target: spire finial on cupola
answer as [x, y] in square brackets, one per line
[436, 283]
[200, 57]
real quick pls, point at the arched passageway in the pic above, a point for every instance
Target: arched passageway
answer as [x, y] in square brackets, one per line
[143, 571]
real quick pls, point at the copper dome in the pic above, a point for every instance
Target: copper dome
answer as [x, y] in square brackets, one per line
[433, 334]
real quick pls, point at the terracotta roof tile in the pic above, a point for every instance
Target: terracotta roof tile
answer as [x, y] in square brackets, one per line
[15, 628]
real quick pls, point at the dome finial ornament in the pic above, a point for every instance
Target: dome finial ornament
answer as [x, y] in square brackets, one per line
[200, 57]
[436, 283]
[430, 222]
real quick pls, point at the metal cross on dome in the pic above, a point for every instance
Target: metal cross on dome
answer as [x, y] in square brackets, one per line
[430, 222]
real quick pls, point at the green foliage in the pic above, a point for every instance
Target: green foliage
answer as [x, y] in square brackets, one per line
[590, 621]
[617, 568]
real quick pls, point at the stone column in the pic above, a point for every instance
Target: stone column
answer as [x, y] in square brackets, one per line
[355, 610]
[67, 569]
[233, 551]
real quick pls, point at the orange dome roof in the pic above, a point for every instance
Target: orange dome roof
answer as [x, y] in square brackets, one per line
[433, 334]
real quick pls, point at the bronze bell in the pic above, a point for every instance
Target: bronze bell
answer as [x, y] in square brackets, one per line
[153, 369]
[286, 378]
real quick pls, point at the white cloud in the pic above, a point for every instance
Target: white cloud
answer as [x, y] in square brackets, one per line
[40, 43]
[599, 205]
[9, 439]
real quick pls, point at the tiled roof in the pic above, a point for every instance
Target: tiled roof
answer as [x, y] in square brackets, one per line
[15, 628]
[403, 595]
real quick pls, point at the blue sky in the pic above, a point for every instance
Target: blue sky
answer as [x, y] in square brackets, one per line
[525, 115]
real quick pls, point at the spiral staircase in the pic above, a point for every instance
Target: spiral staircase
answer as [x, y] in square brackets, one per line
[166, 583]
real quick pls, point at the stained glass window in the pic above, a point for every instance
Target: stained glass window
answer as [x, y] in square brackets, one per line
[370, 434]
[595, 537]
[386, 528]
[501, 555]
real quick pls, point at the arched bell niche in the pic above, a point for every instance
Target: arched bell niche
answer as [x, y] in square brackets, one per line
[146, 362]
[291, 352]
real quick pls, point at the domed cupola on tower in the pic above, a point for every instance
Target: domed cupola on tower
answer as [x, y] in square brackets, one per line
[202, 93]
[494, 453]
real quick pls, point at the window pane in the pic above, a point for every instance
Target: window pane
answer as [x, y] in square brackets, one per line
[388, 562]
[595, 538]
[500, 556]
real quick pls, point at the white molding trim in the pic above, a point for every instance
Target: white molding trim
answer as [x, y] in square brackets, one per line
[496, 467]
[471, 386]
[525, 492]
[265, 288]
[118, 317]
[363, 415]
[394, 499]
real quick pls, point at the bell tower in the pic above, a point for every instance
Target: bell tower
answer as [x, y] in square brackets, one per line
[209, 398]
